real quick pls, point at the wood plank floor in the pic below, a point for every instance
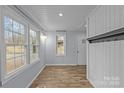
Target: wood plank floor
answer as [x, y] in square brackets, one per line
[62, 77]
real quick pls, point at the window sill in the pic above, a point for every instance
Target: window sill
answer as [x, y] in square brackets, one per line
[35, 62]
[14, 74]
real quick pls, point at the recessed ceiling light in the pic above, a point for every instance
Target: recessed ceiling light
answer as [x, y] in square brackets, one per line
[60, 14]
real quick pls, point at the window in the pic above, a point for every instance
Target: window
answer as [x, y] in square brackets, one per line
[34, 46]
[60, 43]
[14, 34]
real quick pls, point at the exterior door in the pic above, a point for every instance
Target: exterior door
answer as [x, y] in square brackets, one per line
[81, 51]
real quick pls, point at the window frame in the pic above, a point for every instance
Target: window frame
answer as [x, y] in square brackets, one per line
[38, 45]
[16, 17]
[62, 33]
[13, 45]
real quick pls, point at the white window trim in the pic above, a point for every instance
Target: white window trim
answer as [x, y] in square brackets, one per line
[11, 14]
[6, 11]
[38, 38]
[64, 34]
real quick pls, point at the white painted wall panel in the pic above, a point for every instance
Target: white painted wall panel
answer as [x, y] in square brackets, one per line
[121, 15]
[0, 46]
[111, 62]
[121, 73]
[106, 58]
[106, 19]
[117, 62]
[117, 17]
[92, 26]
[106, 64]
[90, 59]
[101, 63]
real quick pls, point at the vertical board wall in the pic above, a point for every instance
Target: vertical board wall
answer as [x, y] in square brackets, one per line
[105, 59]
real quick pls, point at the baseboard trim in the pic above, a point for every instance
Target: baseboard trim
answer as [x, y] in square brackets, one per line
[61, 64]
[35, 76]
[92, 82]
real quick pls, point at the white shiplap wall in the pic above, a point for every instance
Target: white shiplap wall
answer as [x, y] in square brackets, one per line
[106, 61]
[105, 19]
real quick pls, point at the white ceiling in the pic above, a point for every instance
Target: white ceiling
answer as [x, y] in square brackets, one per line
[47, 16]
